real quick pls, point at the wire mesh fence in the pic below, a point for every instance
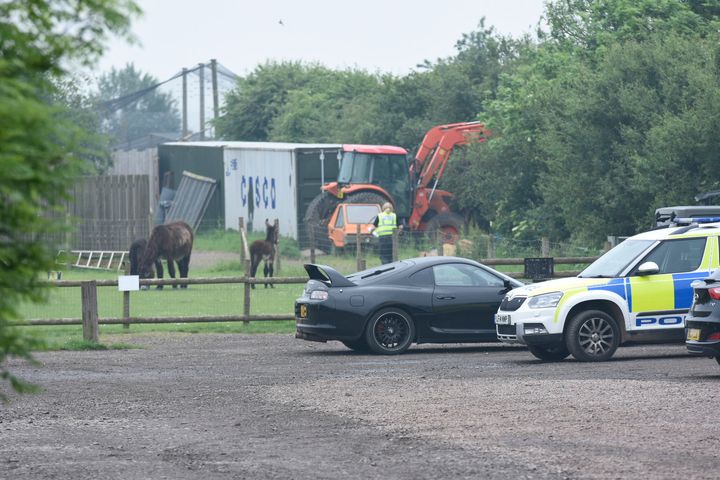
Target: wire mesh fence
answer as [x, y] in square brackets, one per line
[472, 244]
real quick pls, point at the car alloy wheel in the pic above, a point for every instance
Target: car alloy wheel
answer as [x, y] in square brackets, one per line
[593, 336]
[390, 331]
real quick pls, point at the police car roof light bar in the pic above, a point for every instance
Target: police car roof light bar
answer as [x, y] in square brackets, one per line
[689, 220]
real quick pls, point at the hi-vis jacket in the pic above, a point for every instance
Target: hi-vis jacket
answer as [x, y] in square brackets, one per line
[387, 222]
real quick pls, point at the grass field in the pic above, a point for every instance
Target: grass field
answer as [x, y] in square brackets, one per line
[196, 300]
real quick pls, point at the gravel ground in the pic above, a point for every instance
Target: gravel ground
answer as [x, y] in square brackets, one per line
[269, 406]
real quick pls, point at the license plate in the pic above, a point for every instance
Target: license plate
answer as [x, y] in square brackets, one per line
[693, 334]
[303, 311]
[502, 319]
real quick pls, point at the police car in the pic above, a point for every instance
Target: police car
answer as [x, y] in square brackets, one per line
[637, 292]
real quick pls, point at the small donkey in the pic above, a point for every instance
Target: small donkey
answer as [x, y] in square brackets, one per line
[264, 250]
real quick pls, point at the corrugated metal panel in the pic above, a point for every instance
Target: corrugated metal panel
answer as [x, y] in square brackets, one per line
[191, 199]
[205, 161]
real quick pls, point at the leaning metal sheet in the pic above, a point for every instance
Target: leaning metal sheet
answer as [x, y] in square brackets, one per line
[191, 199]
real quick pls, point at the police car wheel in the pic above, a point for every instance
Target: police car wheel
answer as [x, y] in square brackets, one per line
[390, 331]
[553, 353]
[592, 336]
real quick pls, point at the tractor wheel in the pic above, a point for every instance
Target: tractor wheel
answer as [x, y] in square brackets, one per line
[444, 228]
[316, 219]
[366, 197]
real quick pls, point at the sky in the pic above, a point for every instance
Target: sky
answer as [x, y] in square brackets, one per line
[383, 36]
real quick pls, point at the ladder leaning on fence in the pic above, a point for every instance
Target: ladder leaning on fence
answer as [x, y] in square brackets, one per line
[96, 259]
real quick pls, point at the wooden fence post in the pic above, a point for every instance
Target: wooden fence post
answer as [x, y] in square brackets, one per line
[246, 301]
[247, 265]
[545, 246]
[126, 309]
[358, 249]
[395, 236]
[241, 227]
[277, 248]
[126, 300]
[311, 231]
[490, 246]
[89, 310]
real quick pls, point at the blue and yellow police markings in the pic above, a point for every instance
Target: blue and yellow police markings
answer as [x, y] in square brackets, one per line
[662, 292]
[616, 286]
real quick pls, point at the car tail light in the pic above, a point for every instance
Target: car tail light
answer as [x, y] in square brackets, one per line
[319, 295]
[714, 336]
[714, 293]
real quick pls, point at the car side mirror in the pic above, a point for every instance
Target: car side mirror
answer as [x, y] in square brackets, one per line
[648, 268]
[507, 285]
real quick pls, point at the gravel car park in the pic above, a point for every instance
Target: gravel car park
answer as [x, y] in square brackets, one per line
[268, 406]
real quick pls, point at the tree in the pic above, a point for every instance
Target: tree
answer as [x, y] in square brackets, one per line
[152, 112]
[78, 106]
[589, 25]
[39, 143]
[251, 108]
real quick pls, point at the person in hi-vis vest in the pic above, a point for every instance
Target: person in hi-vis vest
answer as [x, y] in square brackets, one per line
[384, 226]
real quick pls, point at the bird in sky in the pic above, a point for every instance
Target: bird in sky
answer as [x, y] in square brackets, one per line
[281, 22]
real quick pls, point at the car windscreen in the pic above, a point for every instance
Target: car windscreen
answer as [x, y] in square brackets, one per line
[362, 213]
[616, 260]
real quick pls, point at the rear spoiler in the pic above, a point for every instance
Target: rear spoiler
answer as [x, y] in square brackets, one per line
[328, 275]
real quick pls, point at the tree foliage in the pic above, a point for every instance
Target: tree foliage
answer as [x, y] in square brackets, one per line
[154, 112]
[41, 146]
[597, 121]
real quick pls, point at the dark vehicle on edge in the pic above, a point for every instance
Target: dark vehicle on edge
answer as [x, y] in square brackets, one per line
[702, 324]
[387, 308]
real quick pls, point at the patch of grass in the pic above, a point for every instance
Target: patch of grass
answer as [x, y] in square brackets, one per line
[229, 241]
[226, 266]
[79, 344]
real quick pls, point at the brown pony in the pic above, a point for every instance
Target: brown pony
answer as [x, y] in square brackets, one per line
[137, 249]
[174, 242]
[264, 250]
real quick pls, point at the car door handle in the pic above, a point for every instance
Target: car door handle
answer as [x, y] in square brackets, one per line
[447, 297]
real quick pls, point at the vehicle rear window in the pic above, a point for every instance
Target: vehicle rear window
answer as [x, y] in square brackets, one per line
[362, 213]
[423, 278]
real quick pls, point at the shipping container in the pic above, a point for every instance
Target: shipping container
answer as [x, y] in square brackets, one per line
[256, 180]
[275, 180]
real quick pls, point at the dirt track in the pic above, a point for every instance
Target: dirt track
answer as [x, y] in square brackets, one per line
[270, 406]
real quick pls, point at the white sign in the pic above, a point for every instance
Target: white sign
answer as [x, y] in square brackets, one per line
[128, 283]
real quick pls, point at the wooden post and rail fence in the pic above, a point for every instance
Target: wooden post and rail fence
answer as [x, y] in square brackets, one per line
[90, 318]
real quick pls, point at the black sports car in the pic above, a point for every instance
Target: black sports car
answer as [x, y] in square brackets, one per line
[387, 308]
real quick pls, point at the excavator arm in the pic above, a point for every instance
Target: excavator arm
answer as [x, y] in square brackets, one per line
[430, 162]
[436, 147]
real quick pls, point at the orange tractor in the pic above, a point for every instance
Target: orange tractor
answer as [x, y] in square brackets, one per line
[375, 174]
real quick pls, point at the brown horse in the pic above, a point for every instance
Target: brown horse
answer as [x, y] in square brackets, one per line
[264, 250]
[137, 249]
[172, 241]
